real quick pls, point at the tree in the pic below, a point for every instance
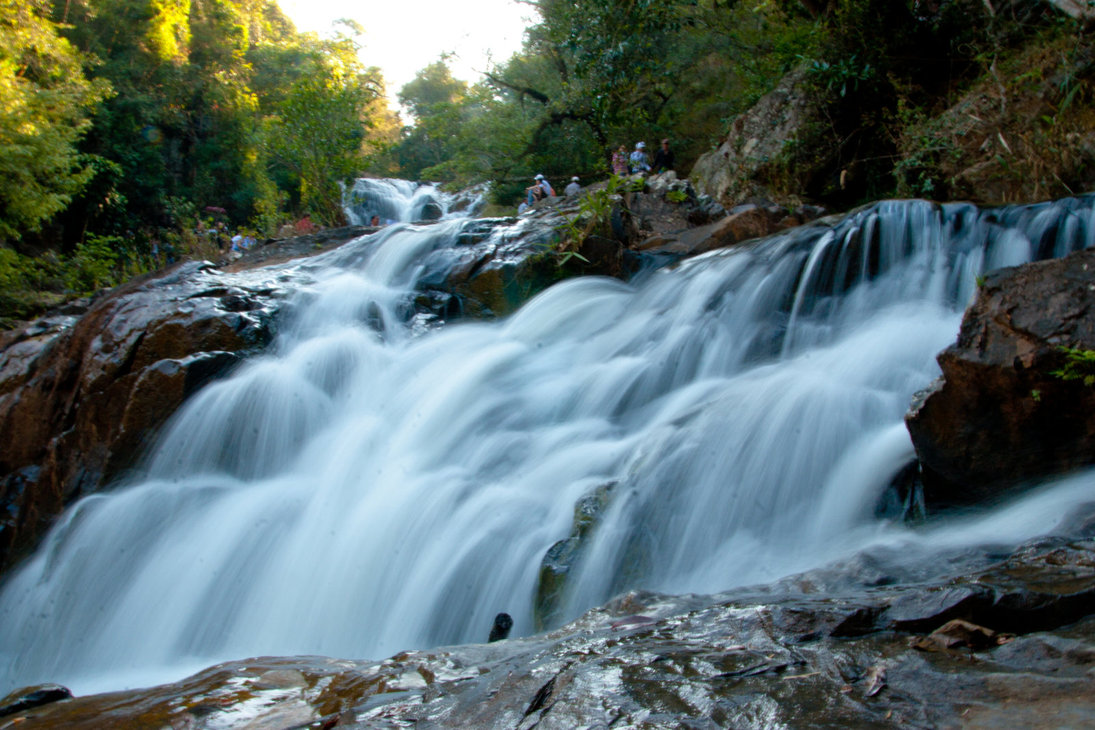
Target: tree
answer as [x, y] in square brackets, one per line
[45, 108]
[319, 130]
[438, 104]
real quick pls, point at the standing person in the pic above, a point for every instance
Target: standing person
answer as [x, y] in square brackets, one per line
[638, 161]
[574, 188]
[619, 161]
[663, 158]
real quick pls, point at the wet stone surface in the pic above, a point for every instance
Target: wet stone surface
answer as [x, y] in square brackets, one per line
[771, 656]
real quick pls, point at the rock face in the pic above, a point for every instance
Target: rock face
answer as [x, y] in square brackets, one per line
[1005, 644]
[752, 159]
[80, 398]
[999, 415]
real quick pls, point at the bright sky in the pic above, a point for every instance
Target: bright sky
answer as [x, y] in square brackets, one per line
[404, 36]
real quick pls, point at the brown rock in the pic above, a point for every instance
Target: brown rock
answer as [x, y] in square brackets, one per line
[747, 223]
[999, 416]
[79, 401]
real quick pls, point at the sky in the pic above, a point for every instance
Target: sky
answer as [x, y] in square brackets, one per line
[404, 36]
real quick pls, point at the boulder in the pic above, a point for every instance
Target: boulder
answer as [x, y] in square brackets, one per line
[1002, 413]
[753, 157]
[564, 555]
[27, 698]
[81, 398]
[744, 223]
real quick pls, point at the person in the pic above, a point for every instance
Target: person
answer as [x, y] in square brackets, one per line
[619, 161]
[375, 221]
[540, 189]
[638, 161]
[574, 188]
[663, 158]
[522, 207]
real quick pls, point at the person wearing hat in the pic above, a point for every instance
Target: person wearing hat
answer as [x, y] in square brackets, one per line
[638, 161]
[574, 188]
[539, 190]
[663, 158]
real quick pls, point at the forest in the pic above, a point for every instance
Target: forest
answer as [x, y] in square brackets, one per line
[130, 128]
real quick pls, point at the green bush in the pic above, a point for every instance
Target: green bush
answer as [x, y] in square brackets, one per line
[94, 264]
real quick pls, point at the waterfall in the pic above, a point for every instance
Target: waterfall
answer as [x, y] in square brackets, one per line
[402, 201]
[367, 487]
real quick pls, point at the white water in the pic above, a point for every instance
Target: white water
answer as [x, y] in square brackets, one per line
[364, 490]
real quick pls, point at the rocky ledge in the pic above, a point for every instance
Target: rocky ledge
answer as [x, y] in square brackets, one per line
[1016, 398]
[83, 392]
[985, 642]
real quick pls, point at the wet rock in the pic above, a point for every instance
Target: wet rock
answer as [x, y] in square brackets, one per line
[503, 622]
[563, 556]
[750, 160]
[999, 415]
[28, 698]
[744, 223]
[431, 211]
[80, 399]
[753, 658]
[924, 610]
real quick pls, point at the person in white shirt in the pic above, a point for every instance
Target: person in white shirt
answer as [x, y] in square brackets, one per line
[638, 161]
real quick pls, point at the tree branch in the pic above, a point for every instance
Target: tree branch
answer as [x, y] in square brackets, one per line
[522, 90]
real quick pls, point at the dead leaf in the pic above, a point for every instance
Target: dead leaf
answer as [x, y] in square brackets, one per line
[876, 680]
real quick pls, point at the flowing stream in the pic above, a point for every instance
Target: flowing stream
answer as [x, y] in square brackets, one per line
[369, 487]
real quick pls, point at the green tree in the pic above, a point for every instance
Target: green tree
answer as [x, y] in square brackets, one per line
[45, 107]
[320, 128]
[438, 104]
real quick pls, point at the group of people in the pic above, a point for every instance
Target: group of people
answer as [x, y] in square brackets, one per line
[622, 164]
[216, 232]
[638, 162]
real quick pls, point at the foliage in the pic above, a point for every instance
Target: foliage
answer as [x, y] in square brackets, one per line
[594, 215]
[319, 127]
[1079, 365]
[844, 74]
[92, 265]
[593, 76]
[45, 107]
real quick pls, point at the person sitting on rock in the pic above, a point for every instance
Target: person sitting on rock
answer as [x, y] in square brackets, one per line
[619, 161]
[663, 158]
[540, 189]
[638, 161]
[574, 188]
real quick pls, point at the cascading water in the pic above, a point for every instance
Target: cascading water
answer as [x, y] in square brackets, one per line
[402, 201]
[366, 488]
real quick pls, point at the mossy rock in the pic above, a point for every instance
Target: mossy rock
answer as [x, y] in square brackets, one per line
[562, 557]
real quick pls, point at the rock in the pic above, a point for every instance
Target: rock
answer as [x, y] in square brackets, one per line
[650, 660]
[564, 555]
[999, 416]
[750, 160]
[957, 634]
[744, 223]
[28, 698]
[430, 211]
[1074, 8]
[79, 401]
[503, 622]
